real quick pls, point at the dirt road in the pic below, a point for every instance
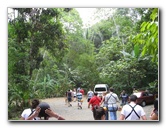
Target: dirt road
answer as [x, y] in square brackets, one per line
[75, 114]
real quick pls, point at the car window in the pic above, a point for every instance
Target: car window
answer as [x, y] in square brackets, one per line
[100, 89]
[145, 94]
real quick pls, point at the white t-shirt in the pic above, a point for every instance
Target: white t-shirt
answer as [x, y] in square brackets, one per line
[25, 114]
[126, 110]
[90, 94]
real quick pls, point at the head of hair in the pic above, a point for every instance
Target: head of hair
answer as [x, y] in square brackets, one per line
[95, 93]
[43, 106]
[111, 89]
[34, 103]
[156, 104]
[98, 112]
[133, 98]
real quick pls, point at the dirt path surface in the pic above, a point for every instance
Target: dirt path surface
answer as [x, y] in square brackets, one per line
[75, 114]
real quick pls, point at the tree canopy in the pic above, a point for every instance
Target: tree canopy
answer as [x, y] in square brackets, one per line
[49, 52]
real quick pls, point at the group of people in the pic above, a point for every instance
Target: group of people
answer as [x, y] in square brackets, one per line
[74, 95]
[104, 108]
[109, 102]
[107, 107]
[39, 111]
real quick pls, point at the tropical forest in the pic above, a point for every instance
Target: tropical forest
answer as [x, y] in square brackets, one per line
[50, 50]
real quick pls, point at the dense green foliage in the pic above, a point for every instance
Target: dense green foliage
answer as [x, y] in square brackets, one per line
[49, 52]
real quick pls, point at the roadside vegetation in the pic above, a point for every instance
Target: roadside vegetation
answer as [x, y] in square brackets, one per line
[49, 52]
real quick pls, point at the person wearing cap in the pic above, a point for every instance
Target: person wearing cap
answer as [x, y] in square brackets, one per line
[132, 111]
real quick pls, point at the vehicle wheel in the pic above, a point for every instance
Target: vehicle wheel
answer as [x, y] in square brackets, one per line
[143, 104]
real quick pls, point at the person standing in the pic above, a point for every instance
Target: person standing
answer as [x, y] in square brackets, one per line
[104, 102]
[69, 97]
[135, 90]
[132, 111]
[82, 91]
[74, 95]
[94, 101]
[124, 97]
[112, 99]
[89, 95]
[79, 99]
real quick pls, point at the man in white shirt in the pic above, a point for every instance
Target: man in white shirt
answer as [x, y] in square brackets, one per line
[132, 111]
[111, 99]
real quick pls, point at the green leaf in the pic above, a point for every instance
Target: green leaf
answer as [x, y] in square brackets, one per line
[136, 50]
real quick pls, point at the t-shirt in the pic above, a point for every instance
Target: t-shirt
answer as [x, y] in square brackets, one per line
[82, 91]
[25, 114]
[90, 94]
[126, 110]
[95, 100]
[69, 94]
[79, 96]
[124, 97]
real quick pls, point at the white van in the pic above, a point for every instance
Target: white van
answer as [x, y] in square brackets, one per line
[101, 88]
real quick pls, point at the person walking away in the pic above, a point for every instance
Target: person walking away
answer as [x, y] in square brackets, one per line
[103, 101]
[89, 95]
[82, 91]
[94, 101]
[124, 97]
[29, 111]
[66, 98]
[79, 99]
[112, 99]
[69, 98]
[154, 113]
[132, 111]
[74, 95]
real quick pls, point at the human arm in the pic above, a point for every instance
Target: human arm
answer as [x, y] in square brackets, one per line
[143, 117]
[122, 117]
[53, 114]
[35, 114]
[89, 104]
[102, 100]
[153, 115]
